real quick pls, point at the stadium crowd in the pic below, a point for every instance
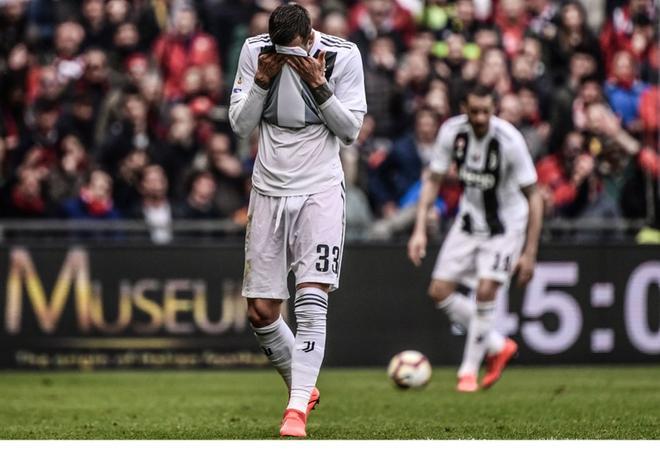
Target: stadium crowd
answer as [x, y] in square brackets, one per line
[118, 109]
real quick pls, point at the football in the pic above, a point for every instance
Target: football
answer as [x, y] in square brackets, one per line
[409, 369]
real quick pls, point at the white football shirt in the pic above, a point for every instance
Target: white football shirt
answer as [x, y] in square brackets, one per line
[297, 153]
[492, 170]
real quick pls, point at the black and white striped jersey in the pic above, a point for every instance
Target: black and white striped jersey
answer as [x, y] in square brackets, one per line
[297, 153]
[492, 170]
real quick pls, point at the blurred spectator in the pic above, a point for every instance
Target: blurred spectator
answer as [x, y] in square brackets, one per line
[382, 93]
[65, 180]
[562, 176]
[42, 133]
[13, 25]
[590, 92]
[511, 109]
[624, 89]
[649, 109]
[94, 200]
[402, 167]
[127, 184]
[27, 196]
[370, 19]
[97, 31]
[154, 207]
[493, 72]
[582, 69]
[413, 78]
[572, 33]
[228, 173]
[183, 47]
[544, 16]
[199, 202]
[511, 18]
[629, 27]
[180, 146]
[126, 85]
[126, 42]
[130, 132]
[69, 37]
[358, 212]
[335, 24]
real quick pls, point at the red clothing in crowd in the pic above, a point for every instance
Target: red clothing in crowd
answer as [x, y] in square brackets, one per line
[513, 32]
[551, 173]
[175, 54]
[400, 20]
[617, 34]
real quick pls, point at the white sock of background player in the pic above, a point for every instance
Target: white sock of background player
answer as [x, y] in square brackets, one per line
[276, 340]
[475, 346]
[460, 309]
[310, 308]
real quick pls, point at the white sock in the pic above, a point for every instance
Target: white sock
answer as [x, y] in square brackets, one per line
[460, 310]
[276, 341]
[475, 347]
[310, 308]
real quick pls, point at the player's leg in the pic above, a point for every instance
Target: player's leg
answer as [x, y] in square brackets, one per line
[311, 306]
[479, 329]
[264, 281]
[455, 261]
[316, 243]
[274, 336]
[496, 261]
[460, 307]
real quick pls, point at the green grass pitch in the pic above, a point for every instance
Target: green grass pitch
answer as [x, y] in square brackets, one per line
[528, 403]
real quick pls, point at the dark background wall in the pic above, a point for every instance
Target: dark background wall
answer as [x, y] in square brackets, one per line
[140, 306]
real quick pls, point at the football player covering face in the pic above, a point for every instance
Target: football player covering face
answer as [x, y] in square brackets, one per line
[302, 108]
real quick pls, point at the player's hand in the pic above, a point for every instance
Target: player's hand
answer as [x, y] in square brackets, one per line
[310, 69]
[525, 269]
[417, 248]
[268, 66]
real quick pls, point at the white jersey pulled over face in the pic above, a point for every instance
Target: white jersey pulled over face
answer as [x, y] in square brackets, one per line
[492, 171]
[297, 153]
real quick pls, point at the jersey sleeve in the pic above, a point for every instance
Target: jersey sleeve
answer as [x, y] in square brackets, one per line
[523, 169]
[442, 149]
[349, 89]
[247, 98]
[244, 75]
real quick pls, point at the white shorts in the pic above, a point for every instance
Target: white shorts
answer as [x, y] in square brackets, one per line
[303, 234]
[467, 258]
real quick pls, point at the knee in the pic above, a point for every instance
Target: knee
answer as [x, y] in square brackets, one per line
[486, 292]
[261, 316]
[322, 286]
[439, 291]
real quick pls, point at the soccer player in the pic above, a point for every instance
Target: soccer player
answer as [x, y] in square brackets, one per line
[305, 91]
[495, 233]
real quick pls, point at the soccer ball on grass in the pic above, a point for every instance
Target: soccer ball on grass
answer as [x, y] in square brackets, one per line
[409, 369]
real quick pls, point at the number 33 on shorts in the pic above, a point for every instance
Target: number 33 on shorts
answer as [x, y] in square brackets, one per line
[327, 259]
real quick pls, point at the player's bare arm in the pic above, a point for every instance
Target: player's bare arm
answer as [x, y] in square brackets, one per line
[431, 182]
[268, 67]
[527, 260]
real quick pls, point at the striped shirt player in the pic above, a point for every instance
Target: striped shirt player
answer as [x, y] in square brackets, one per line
[495, 232]
[304, 90]
[492, 170]
[298, 149]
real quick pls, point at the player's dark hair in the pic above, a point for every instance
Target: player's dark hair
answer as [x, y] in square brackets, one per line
[288, 22]
[480, 90]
